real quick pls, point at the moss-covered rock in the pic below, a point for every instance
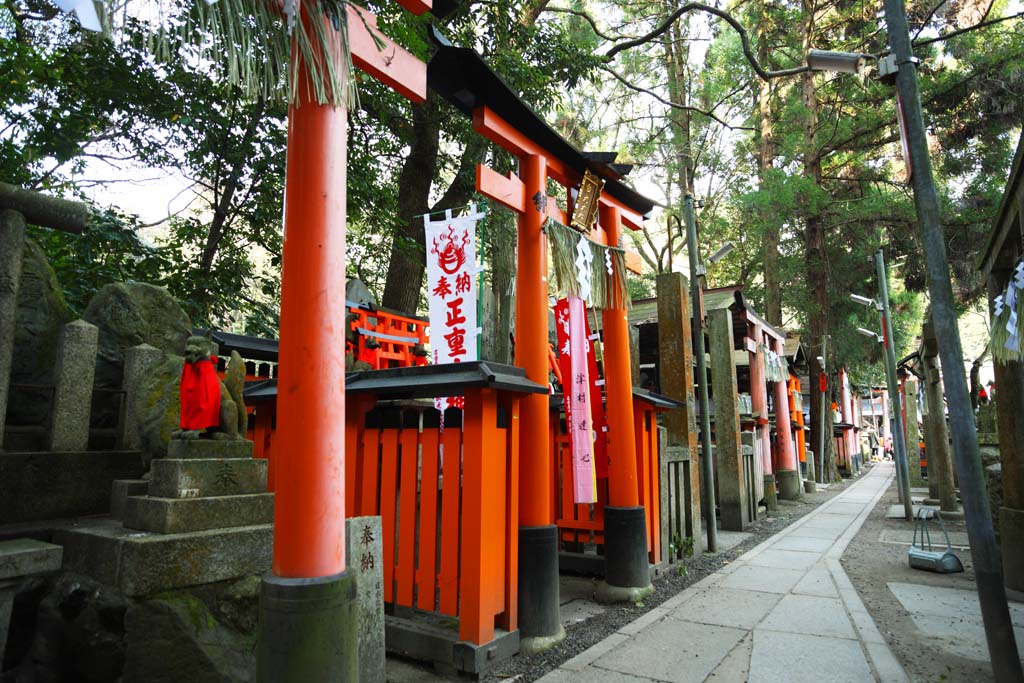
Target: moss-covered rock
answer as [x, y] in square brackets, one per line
[42, 312]
[68, 627]
[133, 313]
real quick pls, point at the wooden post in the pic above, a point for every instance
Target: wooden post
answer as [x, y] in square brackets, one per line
[732, 499]
[1009, 398]
[675, 353]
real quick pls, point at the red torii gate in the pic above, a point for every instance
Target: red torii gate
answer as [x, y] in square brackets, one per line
[627, 573]
[308, 616]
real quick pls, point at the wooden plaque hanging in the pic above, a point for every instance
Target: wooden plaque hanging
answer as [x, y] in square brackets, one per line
[584, 211]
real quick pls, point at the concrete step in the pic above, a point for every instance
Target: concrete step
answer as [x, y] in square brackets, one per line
[180, 515]
[209, 448]
[201, 477]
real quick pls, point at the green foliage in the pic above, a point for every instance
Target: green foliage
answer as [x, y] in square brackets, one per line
[111, 250]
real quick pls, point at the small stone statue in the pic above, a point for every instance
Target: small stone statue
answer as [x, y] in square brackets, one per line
[209, 407]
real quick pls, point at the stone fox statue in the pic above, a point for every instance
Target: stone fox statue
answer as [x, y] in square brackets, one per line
[210, 407]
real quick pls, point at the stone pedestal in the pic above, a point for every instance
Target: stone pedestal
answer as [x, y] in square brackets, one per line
[364, 559]
[73, 384]
[12, 245]
[732, 489]
[208, 519]
[771, 496]
[203, 484]
[20, 558]
[789, 484]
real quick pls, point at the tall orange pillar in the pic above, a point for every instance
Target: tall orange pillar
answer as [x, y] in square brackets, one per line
[308, 613]
[788, 476]
[627, 574]
[539, 622]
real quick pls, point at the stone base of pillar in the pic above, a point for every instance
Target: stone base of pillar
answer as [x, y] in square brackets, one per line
[627, 575]
[308, 630]
[1011, 533]
[789, 484]
[540, 627]
[771, 498]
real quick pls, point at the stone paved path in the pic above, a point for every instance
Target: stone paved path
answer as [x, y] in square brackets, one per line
[784, 611]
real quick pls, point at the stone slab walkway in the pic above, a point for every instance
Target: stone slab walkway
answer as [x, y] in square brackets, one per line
[784, 611]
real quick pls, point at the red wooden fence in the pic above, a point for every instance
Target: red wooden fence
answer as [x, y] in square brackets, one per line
[585, 523]
[448, 502]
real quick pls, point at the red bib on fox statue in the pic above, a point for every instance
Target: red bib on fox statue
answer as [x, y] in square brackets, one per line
[200, 394]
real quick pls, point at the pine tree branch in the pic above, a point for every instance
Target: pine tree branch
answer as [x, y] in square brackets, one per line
[722, 14]
[632, 86]
[967, 29]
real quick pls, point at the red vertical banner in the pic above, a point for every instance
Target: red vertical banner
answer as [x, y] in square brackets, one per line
[570, 316]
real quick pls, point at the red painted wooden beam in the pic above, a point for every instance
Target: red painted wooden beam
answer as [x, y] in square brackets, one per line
[392, 65]
[508, 137]
[417, 7]
[508, 191]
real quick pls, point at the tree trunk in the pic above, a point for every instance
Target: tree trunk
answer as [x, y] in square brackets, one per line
[766, 152]
[407, 265]
[814, 241]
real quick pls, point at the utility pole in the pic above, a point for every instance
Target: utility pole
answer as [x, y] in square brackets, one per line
[697, 296]
[988, 573]
[898, 439]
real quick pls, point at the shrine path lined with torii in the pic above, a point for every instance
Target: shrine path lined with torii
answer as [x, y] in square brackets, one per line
[777, 613]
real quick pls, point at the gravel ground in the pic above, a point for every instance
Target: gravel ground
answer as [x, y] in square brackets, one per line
[872, 564]
[583, 635]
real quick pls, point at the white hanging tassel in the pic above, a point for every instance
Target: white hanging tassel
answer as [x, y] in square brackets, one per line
[584, 274]
[608, 261]
[291, 13]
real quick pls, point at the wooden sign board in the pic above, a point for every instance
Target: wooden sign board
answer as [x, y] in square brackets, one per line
[584, 211]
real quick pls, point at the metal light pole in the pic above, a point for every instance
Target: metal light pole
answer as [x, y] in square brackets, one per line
[823, 390]
[696, 296]
[984, 551]
[899, 437]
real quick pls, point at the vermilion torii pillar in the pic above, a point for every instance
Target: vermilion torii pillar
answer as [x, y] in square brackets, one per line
[626, 545]
[307, 610]
[788, 475]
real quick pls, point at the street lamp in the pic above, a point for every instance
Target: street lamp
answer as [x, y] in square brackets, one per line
[899, 440]
[722, 252]
[988, 572]
[843, 62]
[872, 334]
[696, 303]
